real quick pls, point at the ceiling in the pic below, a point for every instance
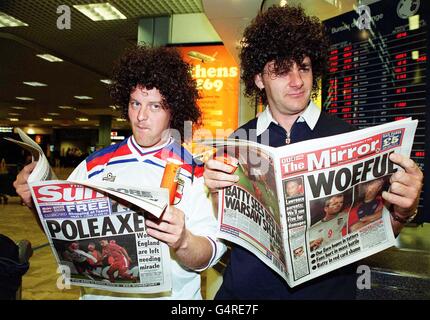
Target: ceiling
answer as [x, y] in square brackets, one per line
[89, 49]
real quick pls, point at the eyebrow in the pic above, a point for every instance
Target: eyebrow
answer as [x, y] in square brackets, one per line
[155, 101]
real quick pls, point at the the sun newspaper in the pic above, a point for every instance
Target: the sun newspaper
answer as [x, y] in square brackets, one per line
[97, 230]
[308, 208]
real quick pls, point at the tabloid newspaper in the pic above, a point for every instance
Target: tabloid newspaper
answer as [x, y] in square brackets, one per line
[308, 208]
[97, 230]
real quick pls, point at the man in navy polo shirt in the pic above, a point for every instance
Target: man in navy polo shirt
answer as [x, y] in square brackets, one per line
[283, 56]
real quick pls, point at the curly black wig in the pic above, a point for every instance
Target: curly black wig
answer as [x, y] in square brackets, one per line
[284, 35]
[161, 68]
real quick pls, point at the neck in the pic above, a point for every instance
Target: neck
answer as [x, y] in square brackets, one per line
[286, 120]
[329, 217]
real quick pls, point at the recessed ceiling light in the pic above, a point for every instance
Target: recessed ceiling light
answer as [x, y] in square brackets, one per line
[49, 57]
[13, 119]
[83, 97]
[65, 107]
[53, 113]
[25, 98]
[120, 119]
[19, 108]
[114, 107]
[9, 21]
[35, 84]
[100, 11]
[82, 119]
[46, 119]
[106, 81]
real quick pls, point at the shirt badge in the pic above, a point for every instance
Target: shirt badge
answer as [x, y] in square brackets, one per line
[109, 177]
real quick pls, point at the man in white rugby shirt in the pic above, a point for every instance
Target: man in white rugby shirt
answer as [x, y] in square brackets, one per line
[157, 93]
[331, 226]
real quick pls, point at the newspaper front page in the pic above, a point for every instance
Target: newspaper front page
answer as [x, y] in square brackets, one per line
[97, 229]
[99, 240]
[316, 205]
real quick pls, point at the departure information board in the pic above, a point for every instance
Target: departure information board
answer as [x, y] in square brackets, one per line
[378, 70]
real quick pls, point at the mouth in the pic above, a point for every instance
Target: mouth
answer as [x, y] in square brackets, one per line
[296, 94]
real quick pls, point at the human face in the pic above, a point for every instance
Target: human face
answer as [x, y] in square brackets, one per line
[372, 189]
[103, 243]
[287, 94]
[334, 205]
[292, 188]
[149, 120]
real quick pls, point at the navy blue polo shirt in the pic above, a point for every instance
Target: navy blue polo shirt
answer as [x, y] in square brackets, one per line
[246, 277]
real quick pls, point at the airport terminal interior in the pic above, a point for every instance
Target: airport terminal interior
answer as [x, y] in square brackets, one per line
[56, 64]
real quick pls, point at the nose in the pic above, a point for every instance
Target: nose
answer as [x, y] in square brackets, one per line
[296, 78]
[143, 113]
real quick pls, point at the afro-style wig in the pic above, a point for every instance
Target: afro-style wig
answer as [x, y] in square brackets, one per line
[285, 35]
[161, 68]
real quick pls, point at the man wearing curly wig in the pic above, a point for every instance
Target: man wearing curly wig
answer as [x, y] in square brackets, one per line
[157, 93]
[283, 56]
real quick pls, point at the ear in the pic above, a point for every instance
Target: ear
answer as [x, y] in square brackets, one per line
[258, 80]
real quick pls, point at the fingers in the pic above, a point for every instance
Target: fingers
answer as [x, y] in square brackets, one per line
[405, 184]
[217, 175]
[21, 185]
[407, 179]
[218, 165]
[407, 164]
[404, 203]
[170, 228]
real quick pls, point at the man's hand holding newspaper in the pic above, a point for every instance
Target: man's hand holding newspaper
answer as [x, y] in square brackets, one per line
[21, 186]
[405, 190]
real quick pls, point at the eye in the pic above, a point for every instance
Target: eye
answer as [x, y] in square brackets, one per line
[134, 104]
[305, 69]
[155, 107]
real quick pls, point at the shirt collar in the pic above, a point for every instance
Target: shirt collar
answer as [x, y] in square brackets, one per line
[137, 149]
[310, 116]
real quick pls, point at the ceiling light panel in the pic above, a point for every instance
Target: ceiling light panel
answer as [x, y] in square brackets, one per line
[49, 57]
[100, 11]
[136, 8]
[25, 98]
[83, 97]
[35, 84]
[9, 21]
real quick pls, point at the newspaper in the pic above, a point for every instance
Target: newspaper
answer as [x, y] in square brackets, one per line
[43, 171]
[97, 229]
[312, 207]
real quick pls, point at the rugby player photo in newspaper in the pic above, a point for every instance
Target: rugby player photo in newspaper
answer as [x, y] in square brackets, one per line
[315, 206]
[104, 259]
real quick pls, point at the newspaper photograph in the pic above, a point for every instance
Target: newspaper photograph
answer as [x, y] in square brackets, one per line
[99, 240]
[312, 207]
